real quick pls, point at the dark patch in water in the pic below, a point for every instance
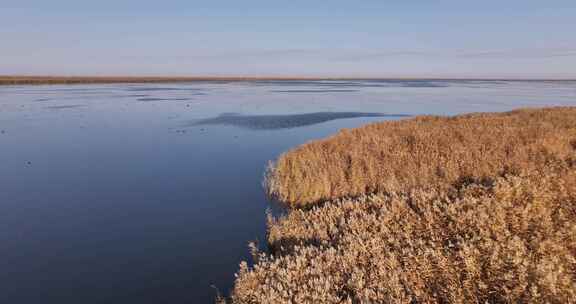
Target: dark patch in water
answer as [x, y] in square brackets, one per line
[314, 91]
[136, 95]
[272, 122]
[42, 99]
[361, 83]
[163, 99]
[162, 89]
[311, 83]
[423, 84]
[63, 107]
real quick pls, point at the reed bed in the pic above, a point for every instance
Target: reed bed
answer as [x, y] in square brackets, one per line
[477, 208]
[512, 241]
[422, 152]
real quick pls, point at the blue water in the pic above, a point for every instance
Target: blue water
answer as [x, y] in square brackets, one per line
[150, 193]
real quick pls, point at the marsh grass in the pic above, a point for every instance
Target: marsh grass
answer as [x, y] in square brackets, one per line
[513, 241]
[421, 152]
[477, 208]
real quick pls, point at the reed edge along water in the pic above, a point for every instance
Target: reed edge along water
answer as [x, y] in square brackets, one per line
[472, 208]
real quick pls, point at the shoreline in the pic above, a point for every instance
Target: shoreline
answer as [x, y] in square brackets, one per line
[59, 80]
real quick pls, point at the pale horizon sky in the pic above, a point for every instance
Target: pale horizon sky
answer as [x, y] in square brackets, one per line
[451, 39]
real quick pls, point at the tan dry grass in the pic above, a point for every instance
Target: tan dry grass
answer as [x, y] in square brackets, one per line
[513, 241]
[422, 152]
[477, 208]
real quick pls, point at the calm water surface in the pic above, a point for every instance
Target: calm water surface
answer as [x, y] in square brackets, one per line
[150, 193]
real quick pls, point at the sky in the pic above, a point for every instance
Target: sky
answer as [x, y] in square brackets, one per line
[410, 38]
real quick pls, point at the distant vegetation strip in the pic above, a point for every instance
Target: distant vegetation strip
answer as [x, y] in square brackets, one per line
[477, 208]
[41, 80]
[422, 152]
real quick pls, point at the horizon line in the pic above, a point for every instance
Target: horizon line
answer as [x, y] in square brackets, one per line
[15, 79]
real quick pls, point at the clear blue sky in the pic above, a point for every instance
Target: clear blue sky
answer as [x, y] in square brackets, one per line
[433, 38]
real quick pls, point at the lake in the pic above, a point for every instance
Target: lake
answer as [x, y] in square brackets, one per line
[150, 193]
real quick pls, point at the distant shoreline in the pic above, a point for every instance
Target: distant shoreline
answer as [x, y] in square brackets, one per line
[55, 80]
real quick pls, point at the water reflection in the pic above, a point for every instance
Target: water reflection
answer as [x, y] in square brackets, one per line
[272, 122]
